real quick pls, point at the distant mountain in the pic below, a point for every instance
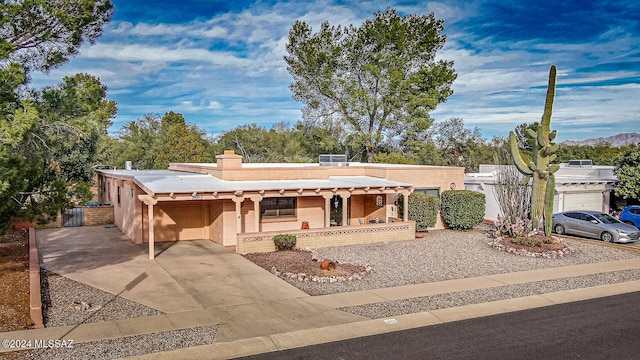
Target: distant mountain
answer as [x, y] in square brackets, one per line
[615, 140]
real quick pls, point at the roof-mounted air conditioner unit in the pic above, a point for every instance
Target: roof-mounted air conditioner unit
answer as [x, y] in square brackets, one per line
[333, 160]
[581, 163]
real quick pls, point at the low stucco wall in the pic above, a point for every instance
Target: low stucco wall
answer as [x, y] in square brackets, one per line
[337, 236]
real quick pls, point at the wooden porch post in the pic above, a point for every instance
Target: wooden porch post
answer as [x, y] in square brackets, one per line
[345, 214]
[327, 209]
[238, 202]
[256, 212]
[405, 208]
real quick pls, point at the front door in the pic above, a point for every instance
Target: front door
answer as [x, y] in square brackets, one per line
[336, 211]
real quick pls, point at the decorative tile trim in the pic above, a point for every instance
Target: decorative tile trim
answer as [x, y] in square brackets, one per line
[326, 233]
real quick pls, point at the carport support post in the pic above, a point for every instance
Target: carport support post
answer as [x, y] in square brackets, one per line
[150, 202]
[152, 248]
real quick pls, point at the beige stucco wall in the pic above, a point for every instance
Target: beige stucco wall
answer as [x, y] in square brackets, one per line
[216, 221]
[179, 221]
[229, 234]
[127, 213]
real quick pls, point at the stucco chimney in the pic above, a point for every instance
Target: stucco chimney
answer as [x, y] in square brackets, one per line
[229, 160]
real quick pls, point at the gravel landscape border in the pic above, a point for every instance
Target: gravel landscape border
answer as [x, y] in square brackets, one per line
[124, 346]
[35, 294]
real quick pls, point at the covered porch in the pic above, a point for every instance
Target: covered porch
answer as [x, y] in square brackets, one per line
[245, 217]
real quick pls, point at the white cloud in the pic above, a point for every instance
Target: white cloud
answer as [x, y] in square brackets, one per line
[197, 29]
[163, 54]
[214, 105]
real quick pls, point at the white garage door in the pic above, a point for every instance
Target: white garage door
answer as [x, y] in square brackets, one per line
[583, 201]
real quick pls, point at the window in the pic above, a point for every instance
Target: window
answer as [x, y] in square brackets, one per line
[428, 191]
[281, 207]
[574, 215]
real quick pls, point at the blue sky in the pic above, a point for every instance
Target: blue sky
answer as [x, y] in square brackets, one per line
[220, 63]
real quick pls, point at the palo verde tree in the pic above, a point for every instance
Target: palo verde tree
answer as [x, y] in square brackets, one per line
[380, 80]
[540, 168]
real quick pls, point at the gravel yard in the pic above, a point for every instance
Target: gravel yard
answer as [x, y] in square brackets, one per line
[446, 255]
[442, 255]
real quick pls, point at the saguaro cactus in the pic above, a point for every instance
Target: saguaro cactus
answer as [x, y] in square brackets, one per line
[540, 169]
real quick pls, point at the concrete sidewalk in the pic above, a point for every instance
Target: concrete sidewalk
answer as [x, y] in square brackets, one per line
[199, 283]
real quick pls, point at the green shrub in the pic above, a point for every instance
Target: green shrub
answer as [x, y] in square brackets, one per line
[284, 241]
[423, 209]
[462, 209]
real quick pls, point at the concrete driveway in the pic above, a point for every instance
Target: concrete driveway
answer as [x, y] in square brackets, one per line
[185, 276]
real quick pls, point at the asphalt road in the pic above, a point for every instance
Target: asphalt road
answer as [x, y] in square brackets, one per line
[603, 328]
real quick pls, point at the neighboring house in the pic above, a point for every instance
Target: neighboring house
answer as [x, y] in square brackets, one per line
[242, 206]
[579, 186]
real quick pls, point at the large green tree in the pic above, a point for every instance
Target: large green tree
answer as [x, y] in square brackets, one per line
[628, 171]
[153, 142]
[42, 34]
[380, 80]
[180, 142]
[257, 144]
[460, 146]
[74, 117]
[37, 35]
[137, 142]
[601, 154]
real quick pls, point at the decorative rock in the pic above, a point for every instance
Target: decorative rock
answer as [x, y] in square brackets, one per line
[552, 254]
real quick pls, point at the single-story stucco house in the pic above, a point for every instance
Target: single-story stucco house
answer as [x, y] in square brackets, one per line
[243, 205]
[579, 186]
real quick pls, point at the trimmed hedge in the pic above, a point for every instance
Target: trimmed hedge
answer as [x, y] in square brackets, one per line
[462, 209]
[423, 209]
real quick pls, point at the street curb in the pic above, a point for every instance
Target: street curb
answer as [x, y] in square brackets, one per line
[316, 336]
